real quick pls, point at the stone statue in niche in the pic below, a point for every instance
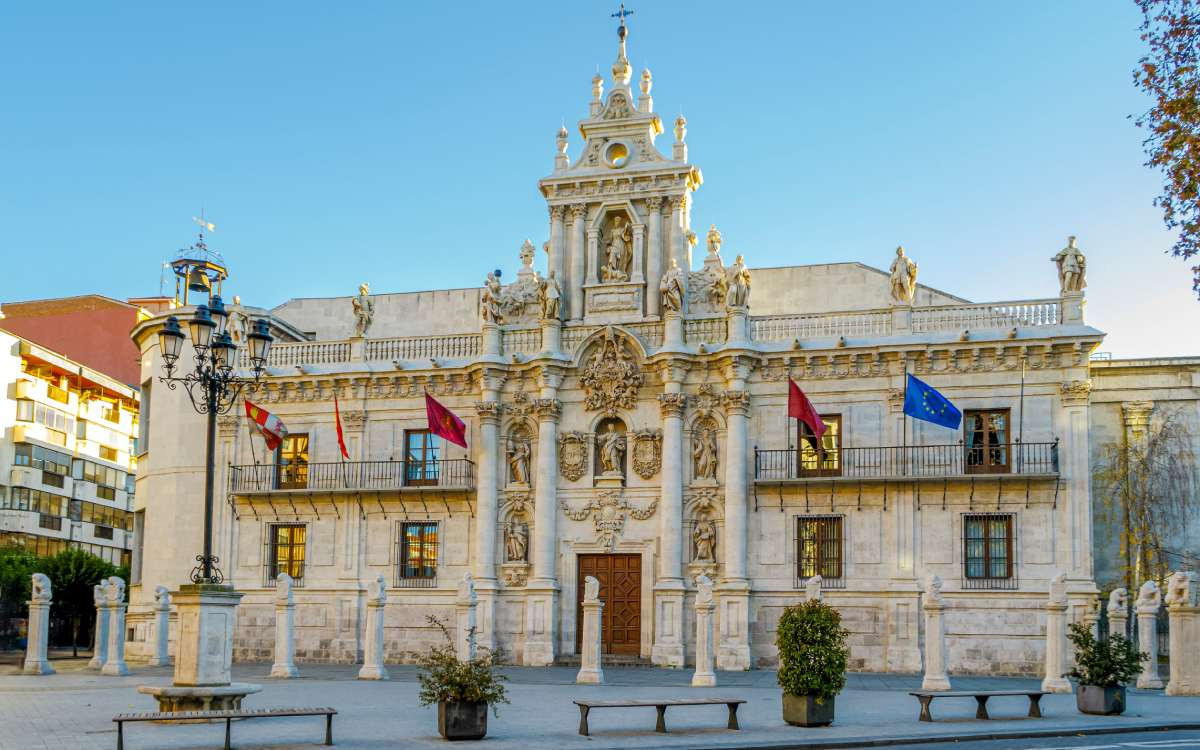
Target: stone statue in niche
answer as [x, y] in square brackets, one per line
[704, 454]
[619, 254]
[612, 451]
[490, 302]
[737, 284]
[518, 460]
[904, 278]
[1071, 268]
[364, 310]
[705, 538]
[516, 542]
[551, 297]
[671, 287]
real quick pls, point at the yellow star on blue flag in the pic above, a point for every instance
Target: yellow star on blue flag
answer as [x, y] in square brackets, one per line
[922, 401]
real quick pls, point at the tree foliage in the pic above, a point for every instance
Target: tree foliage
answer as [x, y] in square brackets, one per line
[445, 678]
[812, 650]
[16, 567]
[72, 574]
[1169, 73]
[1111, 662]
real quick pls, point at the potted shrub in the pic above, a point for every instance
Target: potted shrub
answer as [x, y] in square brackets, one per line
[462, 690]
[812, 662]
[1102, 668]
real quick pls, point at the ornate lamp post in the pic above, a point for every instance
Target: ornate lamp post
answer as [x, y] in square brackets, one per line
[213, 388]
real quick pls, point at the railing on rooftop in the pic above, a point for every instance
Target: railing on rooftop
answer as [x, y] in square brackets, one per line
[334, 476]
[1022, 313]
[913, 461]
[454, 346]
[788, 327]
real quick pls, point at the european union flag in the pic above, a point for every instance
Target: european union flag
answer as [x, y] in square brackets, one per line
[921, 401]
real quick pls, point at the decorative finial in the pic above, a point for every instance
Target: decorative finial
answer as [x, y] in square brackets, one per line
[621, 71]
[597, 87]
[647, 81]
[680, 128]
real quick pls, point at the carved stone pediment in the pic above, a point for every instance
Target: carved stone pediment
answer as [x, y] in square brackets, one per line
[572, 455]
[647, 452]
[610, 377]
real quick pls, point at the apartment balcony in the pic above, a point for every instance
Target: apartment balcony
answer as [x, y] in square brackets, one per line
[919, 463]
[450, 475]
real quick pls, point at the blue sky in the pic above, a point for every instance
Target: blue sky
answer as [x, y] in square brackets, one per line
[401, 143]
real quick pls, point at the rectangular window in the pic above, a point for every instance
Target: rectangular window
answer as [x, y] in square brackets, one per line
[108, 454]
[988, 550]
[819, 546]
[38, 457]
[53, 523]
[24, 410]
[53, 480]
[58, 394]
[421, 452]
[417, 558]
[293, 463]
[820, 458]
[143, 417]
[986, 441]
[286, 551]
[103, 532]
[106, 493]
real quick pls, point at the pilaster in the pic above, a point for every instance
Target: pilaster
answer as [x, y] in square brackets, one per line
[541, 592]
[654, 257]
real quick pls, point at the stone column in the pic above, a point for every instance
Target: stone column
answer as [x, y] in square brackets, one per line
[1075, 467]
[541, 592]
[557, 260]
[1118, 613]
[1148, 601]
[654, 258]
[100, 639]
[668, 648]
[574, 286]
[38, 633]
[487, 492]
[733, 651]
[373, 668]
[704, 676]
[464, 619]
[1056, 637]
[637, 275]
[936, 656]
[1183, 608]
[114, 602]
[679, 247]
[591, 672]
[285, 629]
[162, 627]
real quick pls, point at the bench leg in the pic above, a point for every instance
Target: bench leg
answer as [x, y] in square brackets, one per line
[1035, 706]
[120, 735]
[227, 722]
[661, 726]
[925, 701]
[583, 728]
[981, 710]
[328, 729]
[733, 707]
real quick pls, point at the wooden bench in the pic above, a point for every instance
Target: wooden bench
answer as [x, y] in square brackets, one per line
[228, 716]
[981, 698]
[661, 705]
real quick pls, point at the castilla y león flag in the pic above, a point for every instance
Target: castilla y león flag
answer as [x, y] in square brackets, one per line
[444, 423]
[269, 426]
[799, 407]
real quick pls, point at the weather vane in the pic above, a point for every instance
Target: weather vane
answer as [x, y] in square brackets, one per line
[204, 224]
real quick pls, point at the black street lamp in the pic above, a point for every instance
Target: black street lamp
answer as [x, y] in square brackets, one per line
[213, 388]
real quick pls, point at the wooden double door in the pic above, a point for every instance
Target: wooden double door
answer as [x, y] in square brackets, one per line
[620, 579]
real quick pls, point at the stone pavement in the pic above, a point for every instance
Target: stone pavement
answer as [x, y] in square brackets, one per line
[74, 708]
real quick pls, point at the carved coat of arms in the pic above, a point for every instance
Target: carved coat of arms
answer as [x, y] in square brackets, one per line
[608, 511]
[647, 452]
[572, 455]
[611, 378]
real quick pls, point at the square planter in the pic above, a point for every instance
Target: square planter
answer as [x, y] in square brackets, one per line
[805, 711]
[462, 721]
[1103, 701]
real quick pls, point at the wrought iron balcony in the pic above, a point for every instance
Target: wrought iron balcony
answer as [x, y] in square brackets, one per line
[906, 463]
[446, 474]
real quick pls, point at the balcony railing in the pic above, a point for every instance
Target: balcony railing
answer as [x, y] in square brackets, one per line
[335, 476]
[913, 461]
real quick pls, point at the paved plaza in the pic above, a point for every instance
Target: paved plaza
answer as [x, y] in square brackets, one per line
[74, 708]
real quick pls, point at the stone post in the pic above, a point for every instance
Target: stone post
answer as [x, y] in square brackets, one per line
[358, 348]
[100, 639]
[1183, 608]
[373, 668]
[574, 286]
[672, 330]
[704, 676]
[812, 589]
[464, 618]
[733, 651]
[936, 656]
[738, 323]
[901, 318]
[1072, 308]
[668, 648]
[487, 510]
[114, 602]
[491, 339]
[541, 592]
[285, 629]
[591, 672]
[1148, 601]
[38, 633]
[162, 627]
[1118, 613]
[552, 336]
[654, 257]
[1056, 637]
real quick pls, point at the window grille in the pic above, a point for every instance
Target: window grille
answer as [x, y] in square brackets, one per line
[285, 552]
[988, 551]
[819, 547]
[417, 554]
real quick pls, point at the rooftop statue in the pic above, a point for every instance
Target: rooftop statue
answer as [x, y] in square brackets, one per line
[1072, 268]
[551, 297]
[490, 301]
[737, 284]
[904, 278]
[364, 310]
[671, 287]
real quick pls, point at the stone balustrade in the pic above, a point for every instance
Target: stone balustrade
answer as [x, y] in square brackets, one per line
[456, 346]
[1018, 314]
[790, 327]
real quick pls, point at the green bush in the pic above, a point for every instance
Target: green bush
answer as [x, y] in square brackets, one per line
[812, 651]
[445, 678]
[1108, 663]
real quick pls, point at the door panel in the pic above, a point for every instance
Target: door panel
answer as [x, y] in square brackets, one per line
[620, 579]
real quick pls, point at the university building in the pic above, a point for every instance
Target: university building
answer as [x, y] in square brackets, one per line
[625, 398]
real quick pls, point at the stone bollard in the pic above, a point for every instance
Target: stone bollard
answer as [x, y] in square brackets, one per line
[285, 629]
[1056, 637]
[100, 639]
[372, 668]
[590, 670]
[812, 589]
[1183, 608]
[704, 676]
[1118, 613]
[39, 628]
[464, 618]
[162, 627]
[114, 602]
[1148, 602]
[935, 637]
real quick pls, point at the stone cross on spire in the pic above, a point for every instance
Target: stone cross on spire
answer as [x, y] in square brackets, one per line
[621, 70]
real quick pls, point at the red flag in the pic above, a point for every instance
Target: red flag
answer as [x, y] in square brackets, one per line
[337, 415]
[444, 423]
[269, 426]
[799, 407]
